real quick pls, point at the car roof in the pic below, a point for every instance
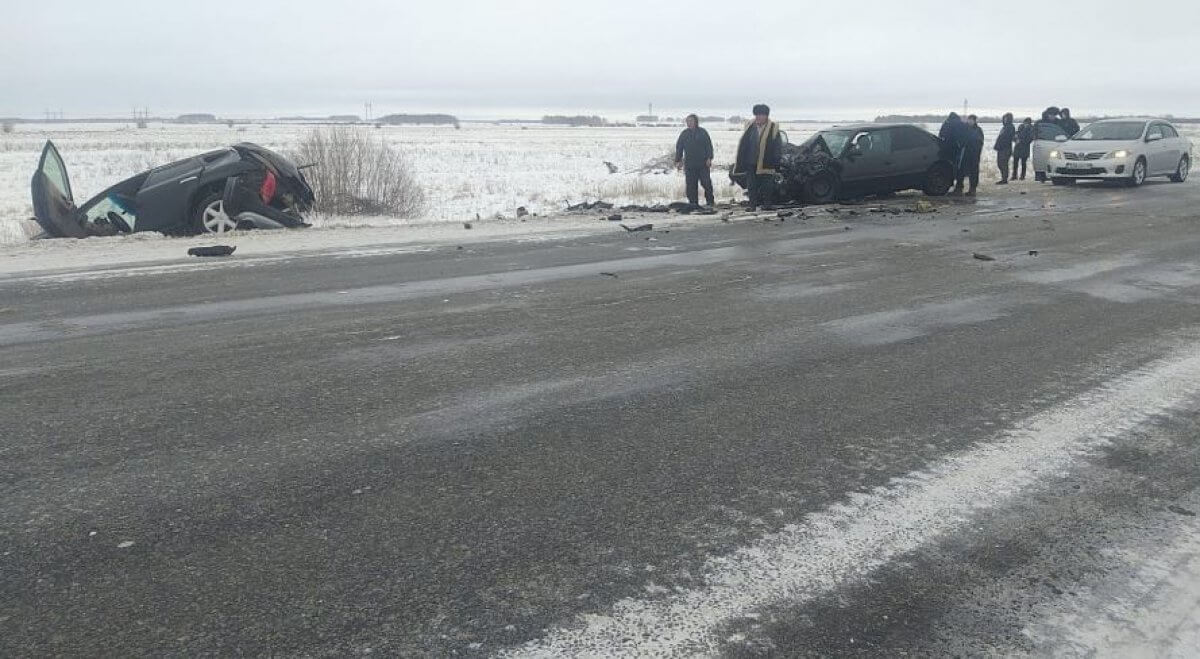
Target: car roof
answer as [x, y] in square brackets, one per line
[870, 126]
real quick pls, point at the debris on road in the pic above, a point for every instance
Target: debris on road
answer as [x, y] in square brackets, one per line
[982, 257]
[591, 206]
[466, 225]
[923, 206]
[1033, 252]
[616, 217]
[522, 211]
[213, 250]
[1181, 511]
[642, 227]
[609, 274]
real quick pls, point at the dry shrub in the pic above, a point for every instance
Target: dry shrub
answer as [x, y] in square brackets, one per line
[357, 173]
[6, 127]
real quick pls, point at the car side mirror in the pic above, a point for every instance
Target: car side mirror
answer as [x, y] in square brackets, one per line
[854, 151]
[1153, 138]
[1060, 138]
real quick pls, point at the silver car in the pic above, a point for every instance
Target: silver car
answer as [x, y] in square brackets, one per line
[1127, 150]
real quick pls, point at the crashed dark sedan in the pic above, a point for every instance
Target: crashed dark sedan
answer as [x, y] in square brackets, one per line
[240, 187]
[846, 162]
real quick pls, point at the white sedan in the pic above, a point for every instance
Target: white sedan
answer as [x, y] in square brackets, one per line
[1129, 150]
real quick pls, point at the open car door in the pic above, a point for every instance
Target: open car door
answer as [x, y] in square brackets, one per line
[53, 203]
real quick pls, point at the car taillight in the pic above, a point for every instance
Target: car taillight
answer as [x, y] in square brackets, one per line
[267, 192]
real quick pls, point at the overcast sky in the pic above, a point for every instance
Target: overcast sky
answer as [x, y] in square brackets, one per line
[476, 59]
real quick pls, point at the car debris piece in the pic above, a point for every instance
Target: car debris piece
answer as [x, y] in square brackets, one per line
[1033, 252]
[242, 186]
[615, 217]
[641, 227]
[213, 250]
[635, 208]
[609, 274]
[466, 225]
[923, 206]
[522, 211]
[982, 257]
[591, 206]
[1181, 511]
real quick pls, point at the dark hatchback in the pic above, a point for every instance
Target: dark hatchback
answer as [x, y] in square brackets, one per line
[242, 186]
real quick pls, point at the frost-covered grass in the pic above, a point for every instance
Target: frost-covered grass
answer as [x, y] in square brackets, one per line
[482, 169]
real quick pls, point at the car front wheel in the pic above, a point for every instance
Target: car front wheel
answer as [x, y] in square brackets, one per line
[1139, 174]
[821, 188]
[210, 216]
[938, 180]
[1181, 172]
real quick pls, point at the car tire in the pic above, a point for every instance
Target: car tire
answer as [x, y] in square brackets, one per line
[209, 217]
[1058, 180]
[821, 188]
[1139, 174]
[938, 180]
[1181, 172]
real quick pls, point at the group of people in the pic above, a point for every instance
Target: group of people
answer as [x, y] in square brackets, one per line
[962, 142]
[758, 156]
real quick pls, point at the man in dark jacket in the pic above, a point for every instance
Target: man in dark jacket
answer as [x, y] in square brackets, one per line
[954, 137]
[1069, 125]
[1021, 152]
[758, 155]
[972, 152]
[1004, 146]
[694, 153]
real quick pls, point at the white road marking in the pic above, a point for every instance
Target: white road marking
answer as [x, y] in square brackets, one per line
[845, 543]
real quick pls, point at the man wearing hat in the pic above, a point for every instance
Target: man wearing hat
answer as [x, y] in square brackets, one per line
[758, 156]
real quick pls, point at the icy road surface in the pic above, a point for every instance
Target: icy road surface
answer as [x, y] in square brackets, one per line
[839, 434]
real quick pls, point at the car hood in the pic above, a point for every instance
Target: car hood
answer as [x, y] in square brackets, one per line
[1100, 145]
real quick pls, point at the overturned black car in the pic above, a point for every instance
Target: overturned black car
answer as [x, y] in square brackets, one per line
[241, 187]
[847, 162]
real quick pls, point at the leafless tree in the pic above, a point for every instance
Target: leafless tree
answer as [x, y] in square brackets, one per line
[357, 173]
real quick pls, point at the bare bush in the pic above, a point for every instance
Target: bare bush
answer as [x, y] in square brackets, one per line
[357, 173]
[6, 127]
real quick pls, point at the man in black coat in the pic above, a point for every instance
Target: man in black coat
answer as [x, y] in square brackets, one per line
[758, 155]
[1021, 152]
[972, 152]
[954, 137]
[1004, 146]
[1069, 125]
[694, 154]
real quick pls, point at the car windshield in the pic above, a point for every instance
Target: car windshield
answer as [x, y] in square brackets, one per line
[835, 139]
[1111, 130]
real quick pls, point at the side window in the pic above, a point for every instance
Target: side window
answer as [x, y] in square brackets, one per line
[1156, 130]
[56, 173]
[876, 142]
[1169, 131]
[904, 139]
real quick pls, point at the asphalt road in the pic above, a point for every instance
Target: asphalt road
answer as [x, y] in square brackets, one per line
[835, 436]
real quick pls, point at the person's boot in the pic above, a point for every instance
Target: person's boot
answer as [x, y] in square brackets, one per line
[1002, 182]
[971, 192]
[957, 191]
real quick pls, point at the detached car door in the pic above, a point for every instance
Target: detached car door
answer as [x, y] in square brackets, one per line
[53, 203]
[1045, 138]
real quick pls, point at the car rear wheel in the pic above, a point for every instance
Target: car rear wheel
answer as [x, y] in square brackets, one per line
[938, 180]
[1139, 174]
[821, 188]
[210, 215]
[1181, 172]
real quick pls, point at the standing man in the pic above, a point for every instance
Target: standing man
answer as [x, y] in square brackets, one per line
[972, 152]
[1021, 153]
[1004, 146]
[1069, 125]
[758, 155]
[953, 136]
[694, 154]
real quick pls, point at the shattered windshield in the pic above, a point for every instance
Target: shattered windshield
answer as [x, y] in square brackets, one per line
[836, 140]
[1111, 130]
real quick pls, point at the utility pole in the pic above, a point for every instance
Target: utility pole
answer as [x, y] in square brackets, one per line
[367, 109]
[965, 112]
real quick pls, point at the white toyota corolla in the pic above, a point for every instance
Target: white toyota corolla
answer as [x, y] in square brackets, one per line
[1129, 150]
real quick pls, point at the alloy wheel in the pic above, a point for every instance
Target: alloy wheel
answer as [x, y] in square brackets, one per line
[216, 220]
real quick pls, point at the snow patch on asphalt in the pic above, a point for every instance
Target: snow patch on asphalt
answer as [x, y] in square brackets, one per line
[892, 326]
[846, 542]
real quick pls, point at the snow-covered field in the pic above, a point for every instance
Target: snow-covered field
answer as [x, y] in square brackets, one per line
[482, 169]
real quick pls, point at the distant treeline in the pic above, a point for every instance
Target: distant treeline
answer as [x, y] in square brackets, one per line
[420, 119]
[576, 120]
[939, 118]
